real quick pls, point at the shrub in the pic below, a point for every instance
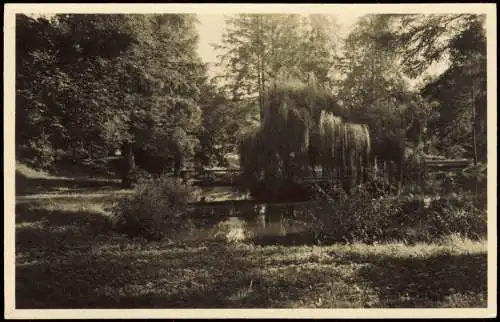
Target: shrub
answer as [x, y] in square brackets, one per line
[139, 175]
[157, 207]
[358, 219]
[446, 216]
[362, 218]
[40, 153]
[136, 176]
[376, 188]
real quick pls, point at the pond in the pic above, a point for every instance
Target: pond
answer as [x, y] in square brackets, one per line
[226, 213]
[250, 221]
[273, 223]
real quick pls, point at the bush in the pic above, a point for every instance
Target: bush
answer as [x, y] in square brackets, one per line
[139, 176]
[355, 219]
[40, 154]
[136, 176]
[377, 187]
[362, 218]
[456, 216]
[157, 207]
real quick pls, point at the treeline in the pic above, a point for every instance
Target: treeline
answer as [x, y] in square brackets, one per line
[89, 84]
[370, 72]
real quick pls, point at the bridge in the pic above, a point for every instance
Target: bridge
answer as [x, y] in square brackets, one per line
[220, 176]
[229, 176]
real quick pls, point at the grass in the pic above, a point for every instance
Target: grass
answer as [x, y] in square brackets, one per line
[32, 182]
[67, 256]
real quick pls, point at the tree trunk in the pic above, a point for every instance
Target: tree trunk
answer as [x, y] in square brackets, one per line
[260, 84]
[128, 164]
[347, 174]
[474, 125]
[388, 169]
[373, 166]
[178, 164]
[400, 181]
[481, 128]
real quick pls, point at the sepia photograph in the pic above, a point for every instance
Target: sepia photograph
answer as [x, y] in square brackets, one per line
[179, 157]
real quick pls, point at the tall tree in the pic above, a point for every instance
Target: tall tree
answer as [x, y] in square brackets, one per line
[61, 82]
[259, 49]
[375, 87]
[223, 122]
[461, 89]
[106, 79]
[321, 45]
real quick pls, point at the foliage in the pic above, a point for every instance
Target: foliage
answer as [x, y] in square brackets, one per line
[374, 88]
[366, 219]
[137, 176]
[384, 49]
[100, 80]
[369, 63]
[377, 187]
[95, 267]
[459, 40]
[259, 49]
[157, 208]
[427, 39]
[302, 128]
[40, 153]
[455, 216]
[60, 82]
[223, 121]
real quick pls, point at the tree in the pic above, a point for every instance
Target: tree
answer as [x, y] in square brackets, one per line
[61, 80]
[461, 89]
[321, 44]
[259, 49]
[105, 80]
[371, 71]
[223, 122]
[162, 90]
[375, 86]
[303, 128]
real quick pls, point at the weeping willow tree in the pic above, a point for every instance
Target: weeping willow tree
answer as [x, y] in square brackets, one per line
[344, 148]
[303, 129]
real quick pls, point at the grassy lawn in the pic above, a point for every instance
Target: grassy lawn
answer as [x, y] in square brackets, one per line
[67, 256]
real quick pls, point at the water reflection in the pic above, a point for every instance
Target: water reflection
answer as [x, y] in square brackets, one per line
[244, 222]
[290, 223]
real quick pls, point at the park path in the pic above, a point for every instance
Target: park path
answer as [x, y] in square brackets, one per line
[63, 189]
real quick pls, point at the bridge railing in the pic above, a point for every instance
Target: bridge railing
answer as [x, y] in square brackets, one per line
[230, 175]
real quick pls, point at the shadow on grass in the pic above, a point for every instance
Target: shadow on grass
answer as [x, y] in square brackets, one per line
[54, 218]
[123, 280]
[163, 280]
[305, 238]
[423, 282]
[57, 230]
[73, 260]
[26, 185]
[182, 278]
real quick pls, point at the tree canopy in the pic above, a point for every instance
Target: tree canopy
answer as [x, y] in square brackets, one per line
[88, 84]
[95, 81]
